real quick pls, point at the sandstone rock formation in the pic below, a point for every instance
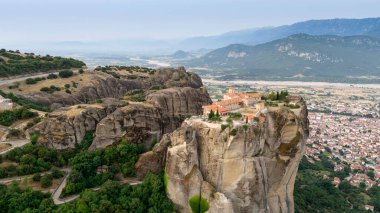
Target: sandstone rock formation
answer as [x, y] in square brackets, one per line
[66, 127]
[103, 85]
[251, 171]
[163, 112]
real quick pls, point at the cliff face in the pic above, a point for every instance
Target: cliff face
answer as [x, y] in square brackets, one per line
[163, 112]
[66, 127]
[252, 171]
[138, 122]
[103, 85]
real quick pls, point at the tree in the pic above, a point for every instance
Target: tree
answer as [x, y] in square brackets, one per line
[211, 114]
[46, 181]
[37, 177]
[371, 174]
[66, 73]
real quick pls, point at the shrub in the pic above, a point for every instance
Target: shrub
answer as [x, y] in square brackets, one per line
[8, 117]
[233, 132]
[46, 181]
[81, 71]
[66, 74]
[67, 86]
[37, 177]
[52, 76]
[14, 132]
[198, 204]
[34, 139]
[154, 142]
[14, 86]
[68, 91]
[56, 173]
[223, 127]
[30, 81]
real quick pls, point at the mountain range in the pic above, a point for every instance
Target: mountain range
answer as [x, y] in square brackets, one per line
[340, 27]
[298, 57]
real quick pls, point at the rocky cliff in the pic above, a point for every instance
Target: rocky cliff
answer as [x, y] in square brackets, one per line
[66, 127]
[98, 85]
[162, 112]
[247, 168]
[119, 116]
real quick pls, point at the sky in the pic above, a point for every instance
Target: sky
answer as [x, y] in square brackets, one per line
[91, 20]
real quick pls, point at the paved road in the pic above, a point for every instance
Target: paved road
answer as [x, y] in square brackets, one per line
[57, 193]
[15, 143]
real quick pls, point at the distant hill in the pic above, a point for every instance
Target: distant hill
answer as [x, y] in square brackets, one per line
[16, 63]
[180, 54]
[299, 57]
[340, 27]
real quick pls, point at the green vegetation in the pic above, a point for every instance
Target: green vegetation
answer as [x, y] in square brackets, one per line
[52, 76]
[235, 115]
[126, 68]
[8, 117]
[271, 104]
[121, 158]
[14, 132]
[18, 64]
[50, 89]
[277, 96]
[65, 74]
[312, 191]
[34, 80]
[166, 181]
[37, 177]
[136, 95]
[138, 98]
[198, 204]
[46, 181]
[153, 142]
[212, 116]
[223, 127]
[14, 86]
[15, 199]
[347, 59]
[24, 102]
[292, 106]
[32, 159]
[233, 132]
[87, 141]
[149, 196]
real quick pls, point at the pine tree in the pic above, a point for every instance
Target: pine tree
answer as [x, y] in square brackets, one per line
[211, 115]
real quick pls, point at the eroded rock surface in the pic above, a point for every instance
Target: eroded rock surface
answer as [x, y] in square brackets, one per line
[162, 113]
[252, 171]
[102, 85]
[66, 127]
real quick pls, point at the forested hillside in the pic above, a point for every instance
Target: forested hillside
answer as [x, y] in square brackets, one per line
[16, 63]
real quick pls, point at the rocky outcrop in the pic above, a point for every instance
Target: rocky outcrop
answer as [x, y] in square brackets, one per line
[163, 112]
[102, 85]
[66, 127]
[251, 171]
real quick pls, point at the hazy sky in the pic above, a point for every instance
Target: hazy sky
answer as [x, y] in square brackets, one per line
[83, 20]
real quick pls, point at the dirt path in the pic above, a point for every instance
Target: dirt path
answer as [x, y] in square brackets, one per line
[15, 143]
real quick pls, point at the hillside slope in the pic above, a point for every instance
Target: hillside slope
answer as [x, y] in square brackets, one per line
[299, 57]
[16, 63]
